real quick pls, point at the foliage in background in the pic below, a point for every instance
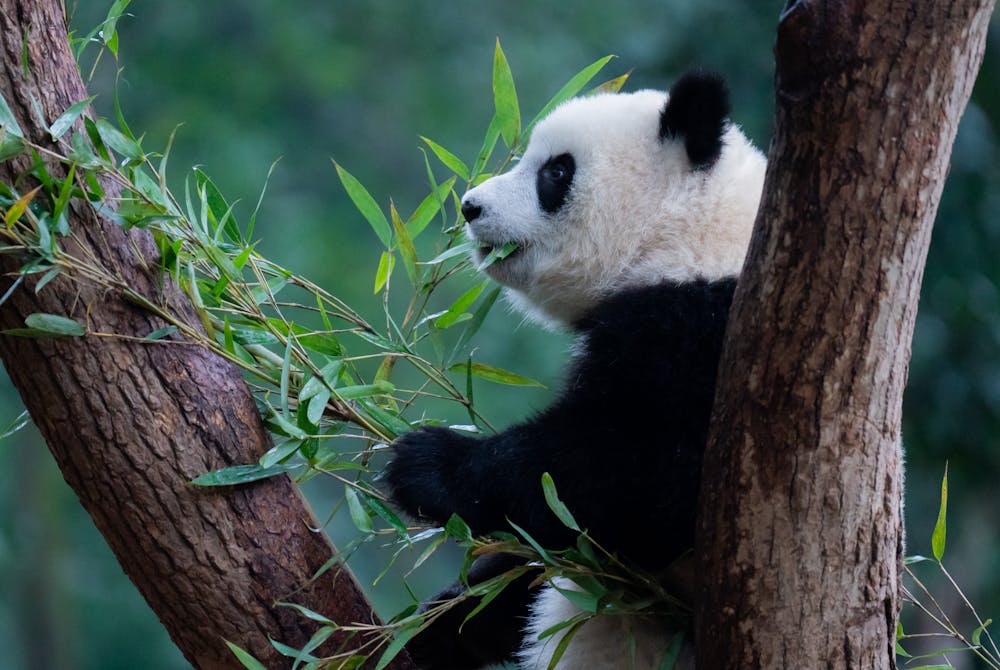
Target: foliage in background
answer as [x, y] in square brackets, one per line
[328, 393]
[259, 79]
[946, 631]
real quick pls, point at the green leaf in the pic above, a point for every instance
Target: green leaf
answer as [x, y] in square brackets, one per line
[588, 602]
[245, 658]
[673, 651]
[278, 453]
[489, 144]
[53, 324]
[317, 405]
[557, 505]
[457, 528]
[405, 244]
[977, 634]
[322, 343]
[365, 390]
[7, 120]
[385, 265]
[241, 474]
[366, 204]
[494, 374]
[490, 590]
[477, 318]
[508, 113]
[940, 528]
[66, 119]
[564, 643]
[114, 138]
[450, 160]
[430, 206]
[457, 309]
[572, 87]
[388, 516]
[399, 641]
[359, 515]
[160, 333]
[498, 254]
[462, 249]
[10, 145]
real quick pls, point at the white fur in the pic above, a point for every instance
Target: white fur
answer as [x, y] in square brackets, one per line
[608, 642]
[636, 214]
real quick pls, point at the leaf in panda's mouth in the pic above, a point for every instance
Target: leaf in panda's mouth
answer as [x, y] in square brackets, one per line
[497, 253]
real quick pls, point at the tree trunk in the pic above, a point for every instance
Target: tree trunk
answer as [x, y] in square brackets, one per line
[130, 424]
[800, 530]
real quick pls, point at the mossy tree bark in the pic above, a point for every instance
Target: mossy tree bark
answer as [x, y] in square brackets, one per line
[130, 424]
[800, 530]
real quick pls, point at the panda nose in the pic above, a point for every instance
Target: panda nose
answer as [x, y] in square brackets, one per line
[471, 211]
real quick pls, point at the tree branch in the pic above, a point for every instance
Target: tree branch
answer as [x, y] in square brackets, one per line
[800, 529]
[130, 424]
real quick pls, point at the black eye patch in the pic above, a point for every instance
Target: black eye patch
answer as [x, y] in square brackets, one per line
[554, 179]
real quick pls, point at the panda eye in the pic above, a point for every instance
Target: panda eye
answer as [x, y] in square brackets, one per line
[554, 179]
[554, 172]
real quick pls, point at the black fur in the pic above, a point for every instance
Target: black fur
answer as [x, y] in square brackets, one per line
[624, 444]
[553, 182]
[492, 636]
[697, 111]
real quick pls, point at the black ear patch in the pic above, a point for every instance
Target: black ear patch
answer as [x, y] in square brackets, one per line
[697, 111]
[553, 182]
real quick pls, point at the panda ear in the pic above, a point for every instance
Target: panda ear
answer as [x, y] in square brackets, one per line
[697, 111]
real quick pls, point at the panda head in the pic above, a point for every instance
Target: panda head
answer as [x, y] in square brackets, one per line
[621, 190]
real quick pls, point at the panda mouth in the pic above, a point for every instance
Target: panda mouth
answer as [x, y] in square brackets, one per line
[489, 254]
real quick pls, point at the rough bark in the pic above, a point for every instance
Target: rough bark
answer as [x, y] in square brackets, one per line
[130, 424]
[800, 531]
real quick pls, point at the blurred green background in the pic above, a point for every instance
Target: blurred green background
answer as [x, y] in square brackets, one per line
[256, 80]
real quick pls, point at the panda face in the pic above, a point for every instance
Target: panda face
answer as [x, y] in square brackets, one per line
[620, 190]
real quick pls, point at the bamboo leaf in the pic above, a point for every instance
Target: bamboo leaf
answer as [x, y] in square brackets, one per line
[450, 160]
[240, 474]
[430, 206]
[557, 505]
[399, 641]
[7, 120]
[366, 204]
[457, 309]
[362, 520]
[978, 633]
[245, 658]
[405, 244]
[385, 266]
[115, 139]
[940, 528]
[67, 118]
[508, 113]
[572, 87]
[564, 643]
[673, 651]
[53, 324]
[494, 374]
[612, 85]
[19, 207]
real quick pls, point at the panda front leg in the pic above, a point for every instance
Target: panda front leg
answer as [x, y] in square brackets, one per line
[488, 482]
[438, 472]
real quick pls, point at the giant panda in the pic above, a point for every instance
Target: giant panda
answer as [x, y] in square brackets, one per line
[632, 215]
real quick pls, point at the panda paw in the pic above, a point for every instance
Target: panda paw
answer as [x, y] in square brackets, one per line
[423, 474]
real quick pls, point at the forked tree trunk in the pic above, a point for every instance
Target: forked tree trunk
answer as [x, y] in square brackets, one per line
[130, 424]
[800, 531]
